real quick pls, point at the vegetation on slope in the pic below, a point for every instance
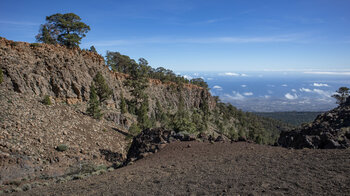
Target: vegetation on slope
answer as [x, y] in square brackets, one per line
[293, 118]
[223, 119]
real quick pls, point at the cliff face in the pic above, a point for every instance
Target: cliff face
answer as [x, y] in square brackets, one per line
[66, 75]
[329, 130]
[30, 132]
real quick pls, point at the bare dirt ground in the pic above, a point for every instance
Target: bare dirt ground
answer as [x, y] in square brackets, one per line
[197, 168]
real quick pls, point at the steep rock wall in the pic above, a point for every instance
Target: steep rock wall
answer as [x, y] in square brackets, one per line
[66, 74]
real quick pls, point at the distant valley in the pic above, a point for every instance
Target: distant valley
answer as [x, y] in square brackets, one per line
[293, 118]
[275, 91]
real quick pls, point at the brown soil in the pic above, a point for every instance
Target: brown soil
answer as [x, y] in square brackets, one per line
[196, 168]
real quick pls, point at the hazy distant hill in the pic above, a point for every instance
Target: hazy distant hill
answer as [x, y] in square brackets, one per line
[294, 118]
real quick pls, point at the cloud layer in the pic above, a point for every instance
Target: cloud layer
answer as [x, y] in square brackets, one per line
[290, 96]
[320, 84]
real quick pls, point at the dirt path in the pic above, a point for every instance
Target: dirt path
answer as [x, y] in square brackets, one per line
[220, 169]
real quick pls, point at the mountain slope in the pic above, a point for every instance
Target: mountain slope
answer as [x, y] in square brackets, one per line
[40, 142]
[329, 130]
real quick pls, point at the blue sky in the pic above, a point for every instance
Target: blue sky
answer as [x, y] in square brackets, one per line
[203, 35]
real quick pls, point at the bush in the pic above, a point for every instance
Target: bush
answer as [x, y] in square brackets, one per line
[13, 44]
[47, 100]
[62, 147]
[34, 45]
[134, 129]
[242, 135]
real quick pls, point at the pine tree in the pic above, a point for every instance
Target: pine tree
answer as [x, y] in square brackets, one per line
[341, 95]
[94, 105]
[65, 29]
[102, 89]
[122, 105]
[142, 115]
[182, 120]
[93, 49]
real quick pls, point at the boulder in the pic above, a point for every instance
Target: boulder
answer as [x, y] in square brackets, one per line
[151, 140]
[148, 141]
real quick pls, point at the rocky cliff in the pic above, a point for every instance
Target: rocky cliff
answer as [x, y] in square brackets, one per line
[31, 132]
[329, 130]
[66, 75]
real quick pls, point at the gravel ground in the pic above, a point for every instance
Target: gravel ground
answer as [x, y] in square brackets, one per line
[199, 168]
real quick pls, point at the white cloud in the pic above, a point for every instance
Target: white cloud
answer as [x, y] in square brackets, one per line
[293, 90]
[187, 77]
[320, 84]
[210, 78]
[327, 73]
[234, 74]
[322, 92]
[248, 93]
[305, 90]
[267, 96]
[318, 91]
[235, 96]
[284, 85]
[271, 85]
[231, 74]
[217, 87]
[290, 96]
[243, 85]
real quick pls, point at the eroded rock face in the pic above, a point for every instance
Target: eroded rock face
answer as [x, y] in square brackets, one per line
[329, 130]
[66, 75]
[48, 69]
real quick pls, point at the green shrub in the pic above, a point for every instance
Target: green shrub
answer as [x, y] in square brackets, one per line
[46, 100]
[34, 45]
[62, 147]
[241, 134]
[134, 129]
[13, 44]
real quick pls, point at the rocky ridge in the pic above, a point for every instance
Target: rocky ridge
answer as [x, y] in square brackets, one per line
[66, 75]
[329, 130]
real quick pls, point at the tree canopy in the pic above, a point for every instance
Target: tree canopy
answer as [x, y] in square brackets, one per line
[65, 29]
[341, 95]
[124, 64]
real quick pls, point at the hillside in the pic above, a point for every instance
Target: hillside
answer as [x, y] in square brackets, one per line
[61, 141]
[67, 74]
[293, 118]
[329, 130]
